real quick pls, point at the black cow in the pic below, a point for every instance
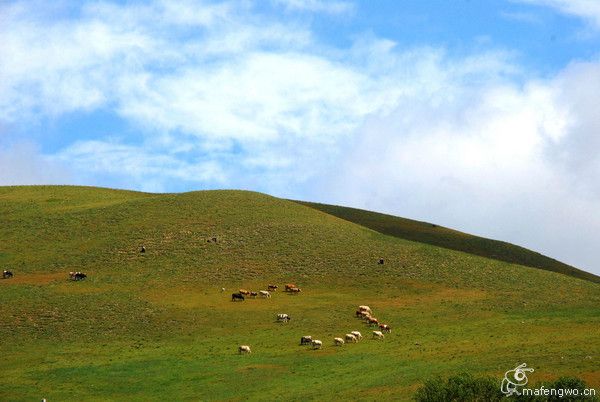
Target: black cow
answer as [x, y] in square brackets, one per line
[380, 261]
[237, 296]
[306, 340]
[80, 276]
[143, 249]
[6, 274]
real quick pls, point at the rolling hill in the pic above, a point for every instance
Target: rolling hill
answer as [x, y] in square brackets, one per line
[157, 325]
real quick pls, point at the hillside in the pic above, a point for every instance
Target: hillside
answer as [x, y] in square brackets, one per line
[156, 326]
[440, 236]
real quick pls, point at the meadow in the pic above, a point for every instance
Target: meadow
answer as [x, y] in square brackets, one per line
[156, 326]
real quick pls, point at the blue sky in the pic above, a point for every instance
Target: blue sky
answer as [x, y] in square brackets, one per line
[479, 115]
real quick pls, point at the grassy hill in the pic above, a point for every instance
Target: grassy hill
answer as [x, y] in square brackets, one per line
[156, 326]
[436, 235]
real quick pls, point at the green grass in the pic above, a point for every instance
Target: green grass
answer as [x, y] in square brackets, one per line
[157, 327]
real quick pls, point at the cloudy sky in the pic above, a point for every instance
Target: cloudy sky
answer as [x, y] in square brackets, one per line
[478, 115]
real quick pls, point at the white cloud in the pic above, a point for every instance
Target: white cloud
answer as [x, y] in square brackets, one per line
[319, 6]
[149, 171]
[588, 10]
[22, 163]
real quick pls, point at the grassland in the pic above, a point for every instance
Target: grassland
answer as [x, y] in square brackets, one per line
[156, 326]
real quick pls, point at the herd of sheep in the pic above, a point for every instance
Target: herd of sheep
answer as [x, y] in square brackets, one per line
[363, 312]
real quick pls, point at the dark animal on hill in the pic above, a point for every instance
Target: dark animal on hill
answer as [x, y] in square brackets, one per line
[380, 261]
[7, 274]
[306, 340]
[272, 288]
[237, 296]
[143, 249]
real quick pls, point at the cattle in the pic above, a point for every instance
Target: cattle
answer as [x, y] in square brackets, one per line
[143, 249]
[295, 290]
[338, 341]
[362, 314]
[253, 294]
[7, 274]
[290, 286]
[244, 292]
[385, 328]
[237, 296]
[243, 349]
[378, 335]
[365, 308]
[357, 334]
[380, 261]
[316, 344]
[351, 338]
[265, 294]
[306, 340]
[77, 276]
[272, 288]
[373, 321]
[283, 317]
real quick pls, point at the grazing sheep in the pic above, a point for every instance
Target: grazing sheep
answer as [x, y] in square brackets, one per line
[253, 294]
[373, 321]
[282, 317]
[385, 328]
[272, 288]
[243, 349]
[316, 344]
[244, 292]
[351, 338]
[338, 341]
[295, 290]
[365, 308]
[378, 335]
[357, 334]
[306, 340]
[264, 293]
[289, 286]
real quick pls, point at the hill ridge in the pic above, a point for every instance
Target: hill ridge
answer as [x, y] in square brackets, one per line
[425, 232]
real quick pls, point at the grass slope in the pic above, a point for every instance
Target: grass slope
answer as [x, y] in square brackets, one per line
[156, 326]
[440, 236]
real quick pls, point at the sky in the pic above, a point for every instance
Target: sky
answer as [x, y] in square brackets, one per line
[477, 115]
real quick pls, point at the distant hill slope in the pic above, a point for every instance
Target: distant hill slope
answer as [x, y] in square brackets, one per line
[424, 232]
